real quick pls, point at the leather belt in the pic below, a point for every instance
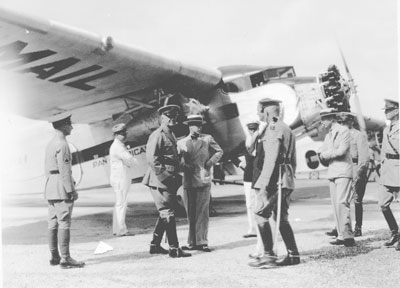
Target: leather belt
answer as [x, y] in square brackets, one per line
[54, 172]
[355, 160]
[392, 156]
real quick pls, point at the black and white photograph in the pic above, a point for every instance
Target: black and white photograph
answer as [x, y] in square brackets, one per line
[185, 143]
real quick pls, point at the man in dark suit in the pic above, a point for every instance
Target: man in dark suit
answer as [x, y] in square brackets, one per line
[163, 179]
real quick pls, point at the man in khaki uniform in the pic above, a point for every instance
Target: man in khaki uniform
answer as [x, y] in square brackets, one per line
[336, 153]
[60, 194]
[121, 161]
[163, 179]
[199, 152]
[390, 166]
[279, 146]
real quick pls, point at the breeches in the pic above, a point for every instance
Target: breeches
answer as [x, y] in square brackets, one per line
[266, 204]
[386, 195]
[197, 202]
[59, 214]
[165, 201]
[340, 189]
[359, 188]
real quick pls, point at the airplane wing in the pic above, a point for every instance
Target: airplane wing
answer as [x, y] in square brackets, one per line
[48, 68]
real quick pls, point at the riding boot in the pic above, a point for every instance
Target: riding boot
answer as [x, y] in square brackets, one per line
[66, 260]
[292, 257]
[359, 216]
[155, 245]
[53, 246]
[171, 233]
[394, 228]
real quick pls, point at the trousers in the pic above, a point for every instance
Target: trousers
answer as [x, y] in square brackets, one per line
[340, 190]
[197, 203]
[121, 205]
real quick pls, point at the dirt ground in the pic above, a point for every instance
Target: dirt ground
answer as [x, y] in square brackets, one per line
[25, 253]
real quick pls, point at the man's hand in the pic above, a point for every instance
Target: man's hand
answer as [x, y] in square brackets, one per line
[208, 165]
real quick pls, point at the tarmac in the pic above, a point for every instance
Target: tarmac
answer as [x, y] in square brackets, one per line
[25, 252]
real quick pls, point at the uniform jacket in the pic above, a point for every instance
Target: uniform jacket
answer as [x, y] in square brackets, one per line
[121, 161]
[279, 145]
[257, 148]
[336, 149]
[58, 159]
[390, 167]
[359, 151]
[197, 153]
[162, 157]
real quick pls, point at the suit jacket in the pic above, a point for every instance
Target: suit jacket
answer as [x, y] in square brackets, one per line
[279, 145]
[195, 154]
[58, 159]
[162, 158]
[390, 170]
[336, 149]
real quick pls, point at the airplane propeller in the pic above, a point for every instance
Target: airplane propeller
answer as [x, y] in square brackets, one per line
[353, 89]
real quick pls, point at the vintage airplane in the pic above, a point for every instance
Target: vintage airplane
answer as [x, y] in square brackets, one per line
[48, 69]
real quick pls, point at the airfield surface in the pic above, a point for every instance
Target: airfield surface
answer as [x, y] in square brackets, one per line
[25, 252]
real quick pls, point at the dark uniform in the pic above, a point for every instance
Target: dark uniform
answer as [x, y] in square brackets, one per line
[60, 194]
[389, 180]
[277, 148]
[163, 179]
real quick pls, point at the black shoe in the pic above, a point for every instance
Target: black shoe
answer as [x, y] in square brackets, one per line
[398, 246]
[332, 233]
[71, 263]
[357, 231]
[337, 242]
[157, 249]
[248, 235]
[290, 259]
[203, 248]
[55, 260]
[178, 253]
[189, 248]
[395, 238]
[349, 242]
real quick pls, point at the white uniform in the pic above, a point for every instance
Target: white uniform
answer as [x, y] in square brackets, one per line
[121, 161]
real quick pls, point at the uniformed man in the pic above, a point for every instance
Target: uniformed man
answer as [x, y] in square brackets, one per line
[60, 194]
[163, 179]
[389, 180]
[336, 153]
[279, 149]
[121, 161]
[199, 152]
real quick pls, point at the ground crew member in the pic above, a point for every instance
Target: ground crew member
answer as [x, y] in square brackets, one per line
[359, 150]
[336, 153]
[163, 179]
[199, 152]
[279, 146]
[389, 180]
[60, 194]
[121, 161]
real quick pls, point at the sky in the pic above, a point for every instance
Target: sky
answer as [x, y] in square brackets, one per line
[301, 33]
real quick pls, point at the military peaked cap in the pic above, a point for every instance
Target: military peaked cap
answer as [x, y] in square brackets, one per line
[391, 104]
[168, 110]
[60, 120]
